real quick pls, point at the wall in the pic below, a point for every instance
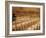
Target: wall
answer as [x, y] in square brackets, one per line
[2, 19]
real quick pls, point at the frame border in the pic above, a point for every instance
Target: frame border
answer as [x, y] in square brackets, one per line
[7, 18]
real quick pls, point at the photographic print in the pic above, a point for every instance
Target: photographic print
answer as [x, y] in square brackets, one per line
[25, 19]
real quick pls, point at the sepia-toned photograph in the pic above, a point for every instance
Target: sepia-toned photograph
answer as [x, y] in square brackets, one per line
[25, 18]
